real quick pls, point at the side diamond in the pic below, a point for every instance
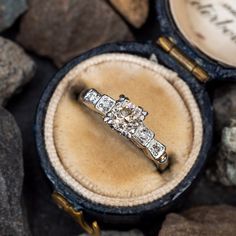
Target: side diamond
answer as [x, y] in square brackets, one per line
[92, 96]
[143, 135]
[157, 150]
[105, 104]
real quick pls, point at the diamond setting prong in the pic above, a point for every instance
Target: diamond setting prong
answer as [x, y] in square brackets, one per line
[122, 97]
[145, 113]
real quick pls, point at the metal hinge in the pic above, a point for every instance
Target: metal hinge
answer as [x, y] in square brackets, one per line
[93, 230]
[170, 47]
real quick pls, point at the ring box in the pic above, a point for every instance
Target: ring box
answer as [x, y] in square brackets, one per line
[96, 172]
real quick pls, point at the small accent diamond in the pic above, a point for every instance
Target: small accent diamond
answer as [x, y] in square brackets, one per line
[157, 150]
[105, 104]
[92, 96]
[143, 135]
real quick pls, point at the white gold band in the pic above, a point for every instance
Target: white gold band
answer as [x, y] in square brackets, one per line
[127, 119]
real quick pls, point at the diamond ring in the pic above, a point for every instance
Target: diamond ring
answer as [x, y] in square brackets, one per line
[127, 119]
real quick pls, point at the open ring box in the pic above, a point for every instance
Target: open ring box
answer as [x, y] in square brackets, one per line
[95, 171]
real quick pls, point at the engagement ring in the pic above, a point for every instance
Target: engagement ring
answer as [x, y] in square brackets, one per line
[127, 119]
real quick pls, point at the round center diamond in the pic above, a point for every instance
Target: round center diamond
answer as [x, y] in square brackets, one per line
[125, 117]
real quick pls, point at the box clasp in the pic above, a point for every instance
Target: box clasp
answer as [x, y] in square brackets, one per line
[92, 230]
[170, 47]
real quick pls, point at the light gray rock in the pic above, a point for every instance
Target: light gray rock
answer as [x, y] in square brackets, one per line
[224, 170]
[12, 219]
[10, 10]
[224, 104]
[16, 68]
[62, 29]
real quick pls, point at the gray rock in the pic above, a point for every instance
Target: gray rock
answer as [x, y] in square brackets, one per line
[62, 29]
[10, 10]
[224, 104]
[12, 219]
[224, 170]
[204, 221]
[16, 68]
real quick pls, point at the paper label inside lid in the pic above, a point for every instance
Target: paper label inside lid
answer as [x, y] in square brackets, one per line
[210, 25]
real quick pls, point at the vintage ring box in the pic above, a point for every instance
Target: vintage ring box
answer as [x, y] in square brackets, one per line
[98, 173]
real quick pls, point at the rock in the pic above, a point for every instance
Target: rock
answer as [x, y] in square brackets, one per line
[206, 220]
[10, 10]
[62, 29]
[224, 104]
[12, 219]
[16, 68]
[134, 11]
[224, 170]
[119, 233]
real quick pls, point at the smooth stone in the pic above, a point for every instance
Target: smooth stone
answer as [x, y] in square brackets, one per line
[10, 10]
[16, 69]
[205, 220]
[61, 29]
[12, 218]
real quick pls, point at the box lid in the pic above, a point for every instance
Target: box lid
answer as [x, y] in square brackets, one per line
[205, 31]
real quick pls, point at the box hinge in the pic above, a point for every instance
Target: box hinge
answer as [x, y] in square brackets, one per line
[93, 229]
[169, 46]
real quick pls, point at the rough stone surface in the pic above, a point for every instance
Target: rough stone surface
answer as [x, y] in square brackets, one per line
[16, 68]
[224, 170]
[134, 11]
[63, 29]
[224, 104]
[9, 11]
[12, 219]
[204, 221]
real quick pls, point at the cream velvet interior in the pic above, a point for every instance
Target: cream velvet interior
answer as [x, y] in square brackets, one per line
[210, 25]
[99, 163]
